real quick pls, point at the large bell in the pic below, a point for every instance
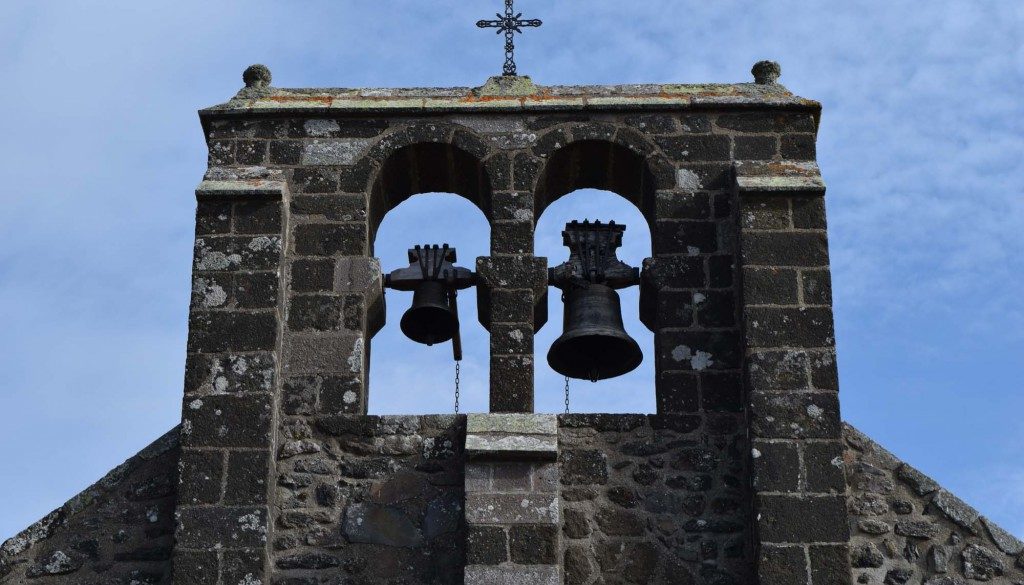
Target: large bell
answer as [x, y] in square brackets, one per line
[431, 319]
[594, 345]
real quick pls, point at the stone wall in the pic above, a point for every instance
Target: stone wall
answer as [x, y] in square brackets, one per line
[654, 499]
[370, 499]
[907, 529]
[120, 530]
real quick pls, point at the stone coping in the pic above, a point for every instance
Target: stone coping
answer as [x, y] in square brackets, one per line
[785, 177]
[512, 437]
[518, 94]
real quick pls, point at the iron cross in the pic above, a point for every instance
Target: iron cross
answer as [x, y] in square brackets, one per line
[510, 24]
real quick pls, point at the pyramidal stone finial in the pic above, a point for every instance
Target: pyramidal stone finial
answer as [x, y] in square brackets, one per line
[766, 72]
[257, 76]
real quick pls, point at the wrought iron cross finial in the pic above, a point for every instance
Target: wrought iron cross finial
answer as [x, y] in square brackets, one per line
[510, 24]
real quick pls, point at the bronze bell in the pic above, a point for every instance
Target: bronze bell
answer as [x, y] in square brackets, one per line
[435, 282]
[594, 345]
[431, 319]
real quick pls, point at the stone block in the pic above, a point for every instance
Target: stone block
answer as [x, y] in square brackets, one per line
[533, 545]
[349, 208]
[715, 308]
[765, 212]
[255, 290]
[201, 476]
[246, 481]
[809, 213]
[213, 217]
[512, 508]
[777, 370]
[227, 421]
[517, 447]
[334, 152]
[776, 466]
[797, 147]
[809, 327]
[695, 148]
[217, 332]
[683, 203]
[486, 545]
[770, 286]
[511, 237]
[348, 239]
[221, 527]
[223, 253]
[675, 272]
[685, 237]
[782, 565]
[795, 415]
[698, 350]
[312, 275]
[823, 467]
[816, 286]
[678, 392]
[830, 565]
[512, 338]
[521, 424]
[583, 466]
[512, 575]
[324, 353]
[511, 384]
[785, 249]
[315, 313]
[257, 217]
[722, 392]
[242, 566]
[196, 567]
[795, 519]
[755, 147]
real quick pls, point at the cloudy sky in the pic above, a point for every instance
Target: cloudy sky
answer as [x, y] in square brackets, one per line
[921, 144]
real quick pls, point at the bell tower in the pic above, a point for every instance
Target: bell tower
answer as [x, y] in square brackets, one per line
[286, 479]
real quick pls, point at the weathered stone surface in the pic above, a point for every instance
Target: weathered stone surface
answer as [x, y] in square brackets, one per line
[935, 538]
[512, 509]
[955, 509]
[520, 575]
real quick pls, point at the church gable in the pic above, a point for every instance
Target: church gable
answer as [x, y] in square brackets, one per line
[119, 530]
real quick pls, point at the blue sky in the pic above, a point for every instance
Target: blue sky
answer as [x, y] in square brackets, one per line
[100, 149]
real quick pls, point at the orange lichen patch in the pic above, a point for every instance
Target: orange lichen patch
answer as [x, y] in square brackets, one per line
[313, 99]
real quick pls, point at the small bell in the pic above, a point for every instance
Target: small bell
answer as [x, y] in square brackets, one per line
[431, 319]
[435, 282]
[594, 345]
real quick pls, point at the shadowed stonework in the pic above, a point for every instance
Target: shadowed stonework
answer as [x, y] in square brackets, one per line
[746, 474]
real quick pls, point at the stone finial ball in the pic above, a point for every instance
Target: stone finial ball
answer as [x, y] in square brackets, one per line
[256, 76]
[766, 72]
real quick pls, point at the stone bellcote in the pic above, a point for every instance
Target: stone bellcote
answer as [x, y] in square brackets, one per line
[288, 297]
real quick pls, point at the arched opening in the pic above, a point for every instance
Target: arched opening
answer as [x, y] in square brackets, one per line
[427, 168]
[595, 164]
[451, 189]
[632, 392]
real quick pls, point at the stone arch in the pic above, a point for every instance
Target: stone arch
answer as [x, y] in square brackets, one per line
[436, 158]
[624, 164]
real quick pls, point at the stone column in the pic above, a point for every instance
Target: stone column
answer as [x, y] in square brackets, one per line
[231, 373]
[513, 303]
[513, 515]
[799, 490]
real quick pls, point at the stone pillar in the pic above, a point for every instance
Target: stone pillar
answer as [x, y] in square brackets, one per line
[231, 374]
[513, 297]
[799, 492]
[513, 516]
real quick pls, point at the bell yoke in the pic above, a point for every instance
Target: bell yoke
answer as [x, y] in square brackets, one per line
[594, 344]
